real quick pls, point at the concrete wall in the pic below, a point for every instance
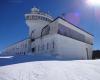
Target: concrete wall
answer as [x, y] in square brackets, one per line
[36, 26]
[19, 48]
[72, 49]
[65, 47]
[44, 45]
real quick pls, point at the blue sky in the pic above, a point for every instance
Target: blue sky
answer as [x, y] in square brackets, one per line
[12, 22]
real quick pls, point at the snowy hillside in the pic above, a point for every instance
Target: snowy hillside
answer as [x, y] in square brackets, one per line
[50, 70]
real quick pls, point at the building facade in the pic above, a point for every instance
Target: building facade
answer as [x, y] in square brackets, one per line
[53, 36]
[19, 48]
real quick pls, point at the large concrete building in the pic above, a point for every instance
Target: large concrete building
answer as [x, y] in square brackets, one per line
[53, 36]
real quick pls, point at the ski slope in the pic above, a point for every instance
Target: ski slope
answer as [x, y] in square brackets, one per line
[52, 70]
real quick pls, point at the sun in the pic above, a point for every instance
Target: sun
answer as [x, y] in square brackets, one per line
[93, 2]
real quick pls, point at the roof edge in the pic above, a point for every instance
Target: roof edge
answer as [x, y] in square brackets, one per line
[72, 24]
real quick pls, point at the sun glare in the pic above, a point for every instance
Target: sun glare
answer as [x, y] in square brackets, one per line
[94, 2]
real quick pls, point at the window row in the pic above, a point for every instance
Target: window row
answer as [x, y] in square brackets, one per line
[37, 18]
[22, 46]
[65, 31]
[20, 53]
[41, 13]
[48, 46]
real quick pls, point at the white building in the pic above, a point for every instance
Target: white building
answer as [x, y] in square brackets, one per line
[53, 36]
[19, 48]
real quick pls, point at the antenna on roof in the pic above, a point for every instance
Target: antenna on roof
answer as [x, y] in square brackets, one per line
[34, 9]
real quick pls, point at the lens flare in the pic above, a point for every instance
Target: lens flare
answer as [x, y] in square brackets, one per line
[93, 2]
[73, 17]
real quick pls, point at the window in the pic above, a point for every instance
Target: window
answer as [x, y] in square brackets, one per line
[41, 18]
[87, 53]
[25, 45]
[34, 17]
[43, 47]
[53, 44]
[47, 46]
[24, 53]
[32, 36]
[45, 31]
[27, 17]
[44, 18]
[61, 30]
[77, 35]
[32, 40]
[33, 49]
[65, 31]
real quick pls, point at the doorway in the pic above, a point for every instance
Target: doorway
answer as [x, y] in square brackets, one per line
[87, 53]
[33, 49]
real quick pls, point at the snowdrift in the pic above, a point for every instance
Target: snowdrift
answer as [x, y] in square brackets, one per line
[50, 70]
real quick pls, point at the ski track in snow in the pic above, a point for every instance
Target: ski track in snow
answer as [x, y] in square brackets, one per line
[52, 70]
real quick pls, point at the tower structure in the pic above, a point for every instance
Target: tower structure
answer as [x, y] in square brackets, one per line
[36, 20]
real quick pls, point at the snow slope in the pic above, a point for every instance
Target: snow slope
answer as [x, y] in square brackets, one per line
[52, 70]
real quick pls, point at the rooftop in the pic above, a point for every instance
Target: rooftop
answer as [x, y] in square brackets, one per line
[34, 9]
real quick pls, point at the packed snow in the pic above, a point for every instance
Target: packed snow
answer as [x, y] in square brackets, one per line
[49, 69]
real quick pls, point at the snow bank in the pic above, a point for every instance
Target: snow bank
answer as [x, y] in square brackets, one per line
[52, 70]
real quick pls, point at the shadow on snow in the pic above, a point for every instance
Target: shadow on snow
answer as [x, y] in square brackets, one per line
[27, 58]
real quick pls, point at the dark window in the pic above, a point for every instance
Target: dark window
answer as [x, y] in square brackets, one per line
[87, 53]
[49, 20]
[35, 17]
[47, 46]
[44, 18]
[43, 47]
[33, 49]
[27, 17]
[24, 53]
[77, 35]
[53, 44]
[32, 36]
[39, 17]
[32, 40]
[65, 31]
[46, 30]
